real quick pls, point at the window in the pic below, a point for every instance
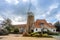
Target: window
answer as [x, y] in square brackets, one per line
[36, 29]
[41, 24]
[53, 30]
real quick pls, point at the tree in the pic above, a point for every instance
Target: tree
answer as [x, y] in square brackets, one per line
[6, 22]
[57, 25]
[7, 25]
[4, 32]
[16, 30]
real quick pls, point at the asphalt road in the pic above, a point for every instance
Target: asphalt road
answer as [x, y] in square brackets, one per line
[20, 37]
[57, 37]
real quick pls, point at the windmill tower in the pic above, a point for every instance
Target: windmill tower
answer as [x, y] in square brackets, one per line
[30, 20]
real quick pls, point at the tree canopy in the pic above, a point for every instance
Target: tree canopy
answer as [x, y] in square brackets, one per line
[57, 25]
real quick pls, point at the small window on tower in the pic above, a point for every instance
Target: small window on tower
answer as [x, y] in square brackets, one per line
[41, 24]
[36, 29]
[53, 30]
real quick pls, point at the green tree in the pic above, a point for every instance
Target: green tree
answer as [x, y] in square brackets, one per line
[16, 30]
[57, 25]
[7, 25]
[6, 22]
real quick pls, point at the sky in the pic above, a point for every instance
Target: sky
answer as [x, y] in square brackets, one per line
[17, 10]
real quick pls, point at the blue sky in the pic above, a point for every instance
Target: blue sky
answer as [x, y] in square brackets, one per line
[16, 10]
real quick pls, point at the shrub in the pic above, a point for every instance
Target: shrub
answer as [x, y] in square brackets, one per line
[4, 32]
[16, 31]
[10, 29]
[35, 34]
[45, 35]
[52, 33]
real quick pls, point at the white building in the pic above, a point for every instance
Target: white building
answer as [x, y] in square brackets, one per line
[43, 25]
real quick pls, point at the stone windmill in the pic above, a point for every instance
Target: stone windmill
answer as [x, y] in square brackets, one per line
[30, 20]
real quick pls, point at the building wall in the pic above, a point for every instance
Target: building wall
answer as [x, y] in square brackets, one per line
[21, 27]
[40, 30]
[37, 29]
[44, 25]
[30, 21]
[52, 29]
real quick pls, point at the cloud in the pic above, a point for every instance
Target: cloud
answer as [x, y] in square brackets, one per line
[12, 1]
[16, 23]
[18, 20]
[16, 10]
[53, 6]
[58, 16]
[1, 18]
[25, 0]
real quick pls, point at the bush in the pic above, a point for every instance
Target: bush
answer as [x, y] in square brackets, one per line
[35, 34]
[10, 29]
[45, 35]
[52, 33]
[4, 32]
[16, 31]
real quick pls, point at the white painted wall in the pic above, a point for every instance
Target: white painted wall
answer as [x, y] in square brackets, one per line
[45, 29]
[52, 29]
[37, 29]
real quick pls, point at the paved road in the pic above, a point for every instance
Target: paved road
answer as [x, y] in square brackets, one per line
[19, 37]
[57, 37]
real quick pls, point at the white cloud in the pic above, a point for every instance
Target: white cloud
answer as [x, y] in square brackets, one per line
[18, 20]
[7, 13]
[34, 2]
[39, 12]
[25, 0]
[43, 16]
[15, 18]
[16, 23]
[1, 18]
[57, 16]
[12, 1]
[53, 6]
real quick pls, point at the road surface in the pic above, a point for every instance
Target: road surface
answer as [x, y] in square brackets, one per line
[20, 37]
